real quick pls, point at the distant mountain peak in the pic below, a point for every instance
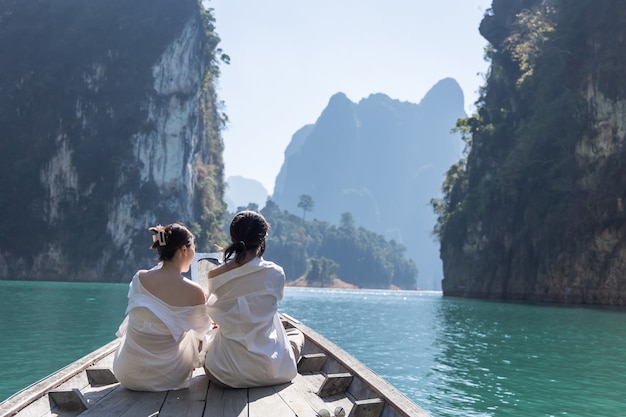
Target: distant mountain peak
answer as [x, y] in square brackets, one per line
[338, 103]
[242, 191]
[376, 160]
[444, 93]
[377, 97]
[338, 97]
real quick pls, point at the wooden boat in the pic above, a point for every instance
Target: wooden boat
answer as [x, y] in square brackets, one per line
[329, 380]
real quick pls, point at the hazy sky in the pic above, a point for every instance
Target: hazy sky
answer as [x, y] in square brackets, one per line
[289, 57]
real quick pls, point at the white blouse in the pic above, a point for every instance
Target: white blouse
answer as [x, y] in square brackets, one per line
[249, 347]
[159, 342]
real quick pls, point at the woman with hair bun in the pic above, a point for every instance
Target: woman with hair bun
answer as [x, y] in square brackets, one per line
[250, 347]
[166, 322]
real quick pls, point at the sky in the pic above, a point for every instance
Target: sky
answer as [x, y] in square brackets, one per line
[287, 58]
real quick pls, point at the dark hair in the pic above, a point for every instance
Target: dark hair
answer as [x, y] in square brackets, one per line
[248, 230]
[168, 239]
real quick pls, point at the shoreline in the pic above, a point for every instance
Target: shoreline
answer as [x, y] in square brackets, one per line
[338, 284]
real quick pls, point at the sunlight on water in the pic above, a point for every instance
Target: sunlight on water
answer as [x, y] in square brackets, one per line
[476, 358]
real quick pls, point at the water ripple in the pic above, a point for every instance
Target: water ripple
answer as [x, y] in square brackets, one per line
[476, 358]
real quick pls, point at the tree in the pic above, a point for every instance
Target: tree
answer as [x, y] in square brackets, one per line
[250, 206]
[320, 252]
[306, 203]
[322, 270]
[347, 221]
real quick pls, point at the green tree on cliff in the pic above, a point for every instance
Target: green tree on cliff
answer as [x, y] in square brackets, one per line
[306, 203]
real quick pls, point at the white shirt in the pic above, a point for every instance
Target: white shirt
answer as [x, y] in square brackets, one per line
[159, 342]
[249, 347]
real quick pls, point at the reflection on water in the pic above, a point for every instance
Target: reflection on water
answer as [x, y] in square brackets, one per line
[498, 359]
[458, 357]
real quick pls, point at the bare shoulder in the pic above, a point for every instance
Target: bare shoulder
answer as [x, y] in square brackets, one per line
[142, 272]
[196, 291]
[145, 276]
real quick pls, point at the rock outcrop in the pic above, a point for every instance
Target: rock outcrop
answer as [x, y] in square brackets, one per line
[382, 160]
[536, 210]
[110, 124]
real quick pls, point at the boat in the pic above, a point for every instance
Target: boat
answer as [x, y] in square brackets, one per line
[330, 382]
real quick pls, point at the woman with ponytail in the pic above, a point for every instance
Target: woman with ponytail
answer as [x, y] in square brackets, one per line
[249, 346]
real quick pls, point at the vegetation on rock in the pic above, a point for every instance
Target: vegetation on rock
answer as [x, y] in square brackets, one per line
[318, 253]
[541, 180]
[77, 82]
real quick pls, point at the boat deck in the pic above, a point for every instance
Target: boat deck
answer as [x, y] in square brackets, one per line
[328, 378]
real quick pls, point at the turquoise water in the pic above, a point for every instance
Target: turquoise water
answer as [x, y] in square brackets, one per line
[453, 357]
[457, 357]
[47, 325]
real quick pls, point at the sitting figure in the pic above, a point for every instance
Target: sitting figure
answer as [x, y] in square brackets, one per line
[250, 347]
[166, 322]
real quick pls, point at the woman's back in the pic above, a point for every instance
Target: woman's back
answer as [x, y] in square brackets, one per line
[250, 346]
[159, 348]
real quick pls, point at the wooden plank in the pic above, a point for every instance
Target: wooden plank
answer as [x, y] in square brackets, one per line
[68, 400]
[264, 401]
[301, 403]
[226, 402]
[38, 391]
[100, 376]
[301, 396]
[105, 362]
[368, 408]
[188, 402]
[44, 406]
[333, 366]
[199, 386]
[38, 408]
[95, 394]
[311, 362]
[314, 380]
[345, 400]
[124, 402]
[335, 384]
[361, 389]
[147, 404]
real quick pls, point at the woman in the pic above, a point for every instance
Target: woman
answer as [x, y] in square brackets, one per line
[166, 318]
[249, 347]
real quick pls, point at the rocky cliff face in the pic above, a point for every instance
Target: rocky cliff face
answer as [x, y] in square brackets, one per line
[537, 211]
[109, 118]
[381, 160]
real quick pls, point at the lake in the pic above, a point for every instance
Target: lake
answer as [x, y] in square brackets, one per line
[453, 357]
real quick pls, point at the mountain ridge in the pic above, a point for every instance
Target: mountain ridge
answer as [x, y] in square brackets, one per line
[369, 158]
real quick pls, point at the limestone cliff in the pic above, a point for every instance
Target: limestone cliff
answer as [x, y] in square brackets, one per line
[110, 124]
[381, 160]
[536, 209]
